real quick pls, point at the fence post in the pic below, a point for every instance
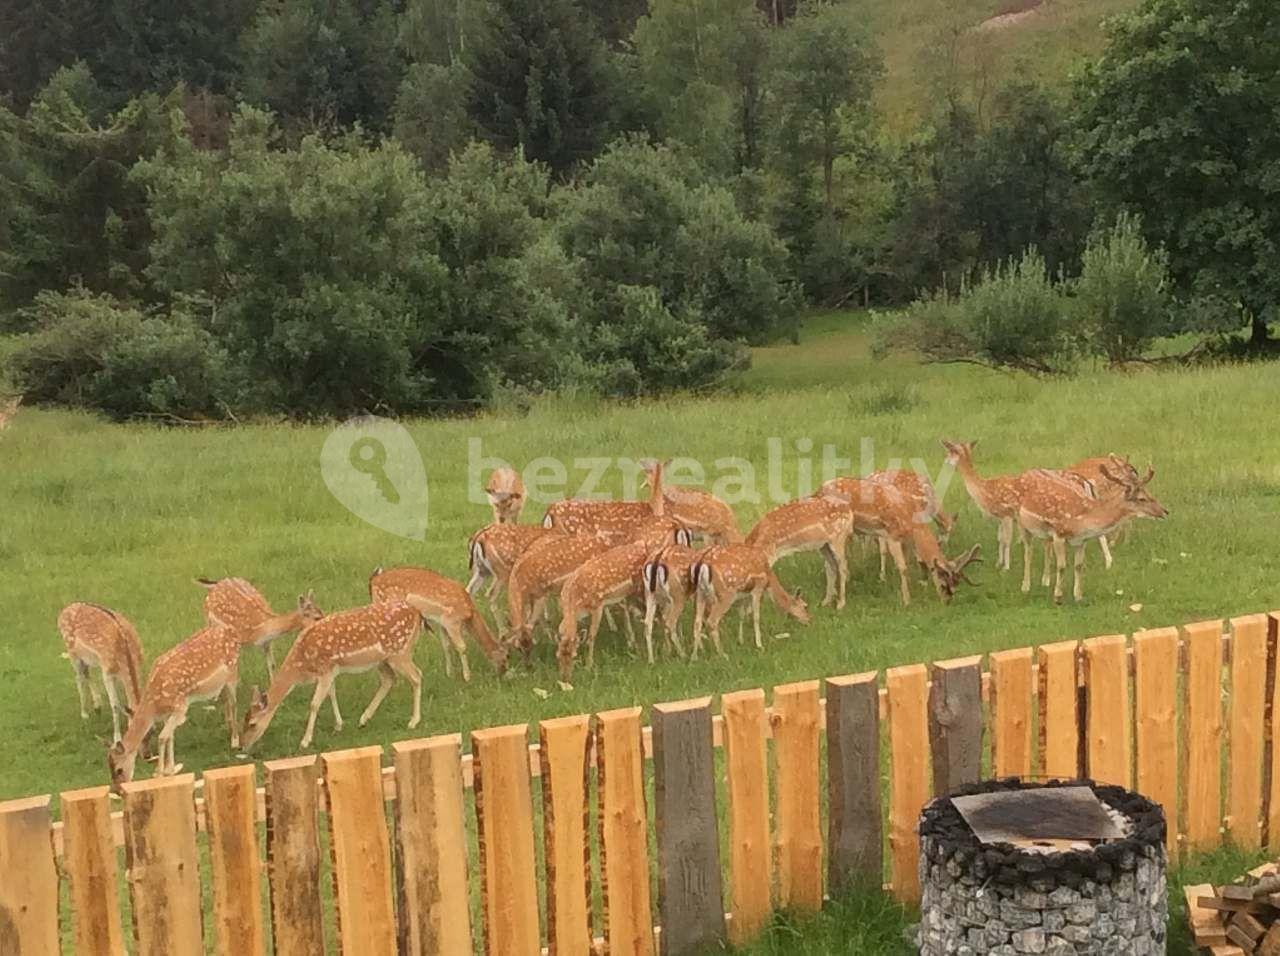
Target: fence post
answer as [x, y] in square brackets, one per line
[1244, 757]
[1059, 711]
[1011, 713]
[164, 873]
[909, 743]
[293, 855]
[1155, 666]
[796, 716]
[955, 723]
[28, 879]
[229, 798]
[504, 818]
[89, 856]
[431, 847]
[1109, 714]
[565, 754]
[687, 829]
[1271, 760]
[1202, 735]
[855, 826]
[361, 850]
[750, 856]
[624, 833]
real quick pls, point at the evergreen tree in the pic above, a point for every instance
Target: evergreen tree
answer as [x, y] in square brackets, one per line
[538, 81]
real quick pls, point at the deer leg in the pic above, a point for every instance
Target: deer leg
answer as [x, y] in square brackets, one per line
[630, 626]
[403, 665]
[448, 658]
[270, 655]
[756, 595]
[699, 613]
[1004, 532]
[386, 677]
[166, 746]
[81, 671]
[842, 570]
[608, 619]
[1077, 582]
[453, 628]
[333, 699]
[323, 684]
[1060, 556]
[900, 560]
[114, 701]
[592, 630]
[1106, 551]
[1026, 562]
[650, 608]
[93, 688]
[671, 618]
[884, 559]
[829, 567]
[742, 626]
[717, 613]
[229, 710]
[1048, 546]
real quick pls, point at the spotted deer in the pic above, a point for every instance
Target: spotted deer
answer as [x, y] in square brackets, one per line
[723, 574]
[96, 636]
[380, 635]
[493, 551]
[238, 605]
[1055, 510]
[445, 602]
[700, 511]
[202, 667]
[809, 524]
[615, 520]
[667, 585]
[1094, 472]
[505, 491]
[537, 574]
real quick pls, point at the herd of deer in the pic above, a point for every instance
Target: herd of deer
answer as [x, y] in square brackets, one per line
[637, 557]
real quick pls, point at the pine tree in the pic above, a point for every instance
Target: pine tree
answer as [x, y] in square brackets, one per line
[538, 82]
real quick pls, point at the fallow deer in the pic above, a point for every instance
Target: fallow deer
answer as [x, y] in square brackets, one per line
[445, 602]
[380, 635]
[667, 584]
[809, 524]
[236, 604]
[997, 497]
[700, 511]
[615, 520]
[538, 573]
[96, 636]
[202, 667]
[721, 575]
[1056, 511]
[881, 510]
[505, 491]
[1092, 470]
[493, 552]
[919, 489]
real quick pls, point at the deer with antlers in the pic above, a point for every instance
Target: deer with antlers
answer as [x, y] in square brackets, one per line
[1055, 510]
[809, 524]
[203, 667]
[494, 550]
[726, 573]
[446, 603]
[700, 511]
[380, 635]
[236, 604]
[96, 636]
[616, 521]
[505, 491]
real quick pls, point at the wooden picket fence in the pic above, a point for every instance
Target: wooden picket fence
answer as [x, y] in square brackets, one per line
[1155, 713]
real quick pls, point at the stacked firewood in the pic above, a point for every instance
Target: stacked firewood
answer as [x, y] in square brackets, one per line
[1239, 918]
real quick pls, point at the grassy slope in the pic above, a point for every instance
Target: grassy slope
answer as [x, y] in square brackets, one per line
[128, 515]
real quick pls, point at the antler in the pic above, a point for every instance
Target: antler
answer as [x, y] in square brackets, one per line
[972, 556]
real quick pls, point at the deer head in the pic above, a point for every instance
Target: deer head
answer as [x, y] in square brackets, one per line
[947, 575]
[308, 608]
[958, 451]
[1136, 496]
[120, 765]
[799, 608]
[256, 720]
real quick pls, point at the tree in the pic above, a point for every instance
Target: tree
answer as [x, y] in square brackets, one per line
[430, 117]
[1176, 122]
[537, 82]
[36, 39]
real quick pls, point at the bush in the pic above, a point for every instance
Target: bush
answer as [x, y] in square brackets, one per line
[93, 350]
[1122, 298]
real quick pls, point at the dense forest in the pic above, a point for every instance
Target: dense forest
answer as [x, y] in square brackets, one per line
[319, 207]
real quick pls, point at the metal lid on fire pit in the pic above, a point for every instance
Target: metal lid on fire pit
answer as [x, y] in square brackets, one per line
[1041, 815]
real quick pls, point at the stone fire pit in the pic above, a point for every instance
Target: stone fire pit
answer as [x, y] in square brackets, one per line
[1060, 868]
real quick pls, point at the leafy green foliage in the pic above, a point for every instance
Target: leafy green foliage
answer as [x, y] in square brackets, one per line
[430, 116]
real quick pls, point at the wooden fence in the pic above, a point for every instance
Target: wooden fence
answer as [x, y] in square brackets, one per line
[391, 846]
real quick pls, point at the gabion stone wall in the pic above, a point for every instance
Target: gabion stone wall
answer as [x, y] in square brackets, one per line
[1006, 901]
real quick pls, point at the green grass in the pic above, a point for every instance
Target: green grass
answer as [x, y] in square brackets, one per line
[128, 515]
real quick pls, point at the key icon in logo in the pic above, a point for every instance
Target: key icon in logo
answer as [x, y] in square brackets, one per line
[373, 467]
[369, 456]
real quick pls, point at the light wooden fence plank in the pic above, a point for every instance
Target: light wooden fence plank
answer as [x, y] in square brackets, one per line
[1155, 665]
[1059, 711]
[504, 812]
[747, 772]
[1271, 767]
[566, 767]
[28, 879]
[796, 719]
[164, 874]
[1011, 713]
[955, 723]
[89, 858]
[1246, 743]
[1109, 713]
[431, 847]
[361, 851]
[855, 838]
[624, 833]
[909, 741]
[687, 829]
[1202, 736]
[293, 855]
[234, 865]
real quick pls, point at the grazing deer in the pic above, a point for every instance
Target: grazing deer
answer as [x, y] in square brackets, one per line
[379, 635]
[236, 604]
[493, 552]
[880, 509]
[1055, 510]
[442, 601]
[96, 636]
[724, 573]
[700, 511]
[505, 491]
[616, 520]
[204, 666]
[997, 498]
[809, 524]
[666, 582]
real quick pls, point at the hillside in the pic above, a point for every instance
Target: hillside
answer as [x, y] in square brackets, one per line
[988, 41]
